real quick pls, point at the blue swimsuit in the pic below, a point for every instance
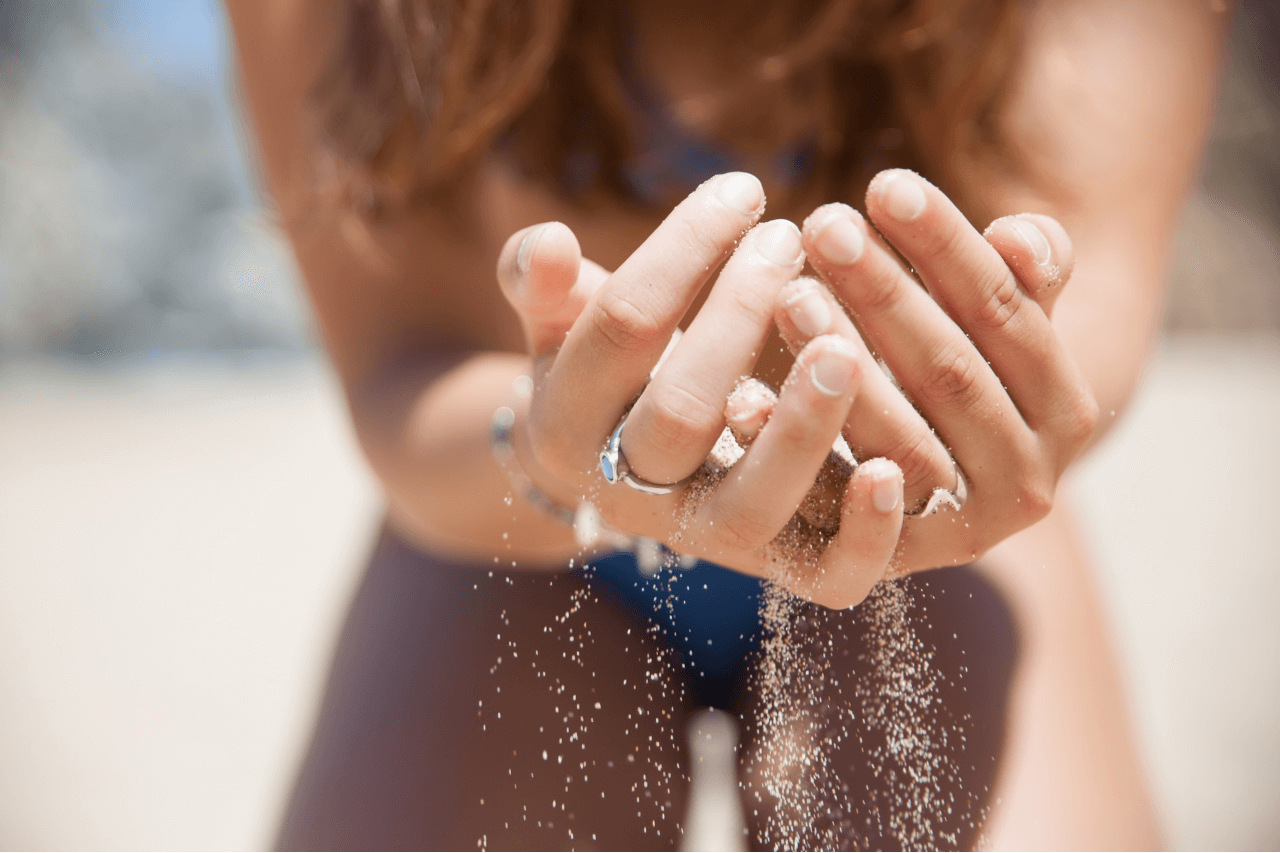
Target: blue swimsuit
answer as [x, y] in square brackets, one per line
[710, 614]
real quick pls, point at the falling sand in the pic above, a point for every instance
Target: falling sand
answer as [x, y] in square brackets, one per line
[810, 714]
[803, 714]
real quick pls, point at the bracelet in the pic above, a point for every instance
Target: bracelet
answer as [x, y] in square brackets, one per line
[589, 528]
[500, 439]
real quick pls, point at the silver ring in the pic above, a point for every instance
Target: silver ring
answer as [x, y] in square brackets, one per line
[953, 498]
[613, 464]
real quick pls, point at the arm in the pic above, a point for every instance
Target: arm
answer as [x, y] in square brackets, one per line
[406, 308]
[404, 304]
[1102, 133]
[421, 405]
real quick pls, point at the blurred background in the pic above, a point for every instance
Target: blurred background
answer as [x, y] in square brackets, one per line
[183, 510]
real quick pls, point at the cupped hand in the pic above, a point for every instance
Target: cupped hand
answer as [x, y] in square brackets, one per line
[973, 348]
[605, 344]
[977, 365]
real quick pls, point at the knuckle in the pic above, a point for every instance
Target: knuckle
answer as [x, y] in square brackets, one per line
[1082, 419]
[921, 459]
[881, 293]
[701, 234]
[679, 418]
[753, 304]
[740, 529]
[624, 324]
[950, 239]
[1000, 301]
[799, 436]
[1035, 496]
[1033, 485]
[951, 377]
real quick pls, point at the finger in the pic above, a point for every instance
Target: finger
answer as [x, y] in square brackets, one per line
[545, 278]
[973, 283]
[762, 491]
[680, 415]
[748, 408]
[881, 422]
[861, 552]
[1038, 251]
[936, 364]
[615, 342]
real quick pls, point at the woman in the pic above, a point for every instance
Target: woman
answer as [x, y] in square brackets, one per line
[410, 144]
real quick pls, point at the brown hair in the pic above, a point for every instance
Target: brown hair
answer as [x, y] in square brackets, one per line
[418, 91]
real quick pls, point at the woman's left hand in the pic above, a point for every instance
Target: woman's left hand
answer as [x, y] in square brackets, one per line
[975, 351]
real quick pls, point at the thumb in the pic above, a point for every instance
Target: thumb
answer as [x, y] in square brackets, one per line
[1038, 252]
[548, 282]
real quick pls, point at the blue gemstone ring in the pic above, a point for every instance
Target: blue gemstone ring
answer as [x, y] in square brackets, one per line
[614, 467]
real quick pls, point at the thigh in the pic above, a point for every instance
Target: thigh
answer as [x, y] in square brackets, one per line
[881, 727]
[471, 708]
[1071, 777]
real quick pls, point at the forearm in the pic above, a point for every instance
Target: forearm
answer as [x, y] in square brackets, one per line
[1108, 318]
[425, 428]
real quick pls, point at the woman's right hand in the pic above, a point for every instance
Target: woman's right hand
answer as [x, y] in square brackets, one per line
[596, 339]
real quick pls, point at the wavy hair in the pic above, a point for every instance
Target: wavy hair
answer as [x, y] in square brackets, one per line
[418, 91]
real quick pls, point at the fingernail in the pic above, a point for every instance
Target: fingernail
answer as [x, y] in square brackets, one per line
[1041, 251]
[747, 423]
[778, 242]
[833, 368]
[525, 254]
[809, 312]
[902, 197]
[742, 192]
[748, 408]
[840, 241]
[886, 483]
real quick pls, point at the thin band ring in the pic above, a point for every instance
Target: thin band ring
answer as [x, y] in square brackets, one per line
[615, 468]
[954, 498]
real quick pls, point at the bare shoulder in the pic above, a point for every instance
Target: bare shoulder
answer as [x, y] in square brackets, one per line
[281, 50]
[416, 278]
[1112, 103]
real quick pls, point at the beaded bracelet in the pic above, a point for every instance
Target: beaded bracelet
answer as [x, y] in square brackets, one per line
[589, 528]
[500, 439]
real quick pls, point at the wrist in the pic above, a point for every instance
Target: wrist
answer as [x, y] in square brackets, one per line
[558, 501]
[502, 430]
[427, 435]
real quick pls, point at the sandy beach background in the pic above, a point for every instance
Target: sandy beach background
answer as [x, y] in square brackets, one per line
[183, 510]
